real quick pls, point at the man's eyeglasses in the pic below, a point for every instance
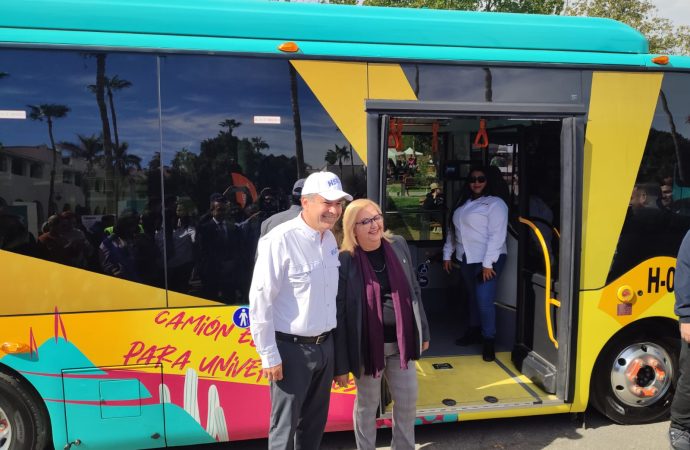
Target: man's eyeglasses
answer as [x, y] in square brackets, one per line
[479, 179]
[369, 220]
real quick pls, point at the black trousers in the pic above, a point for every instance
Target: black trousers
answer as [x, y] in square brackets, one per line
[680, 408]
[299, 402]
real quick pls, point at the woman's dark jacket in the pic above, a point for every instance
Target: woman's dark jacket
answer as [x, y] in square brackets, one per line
[348, 334]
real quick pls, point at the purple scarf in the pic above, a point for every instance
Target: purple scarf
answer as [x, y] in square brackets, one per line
[372, 311]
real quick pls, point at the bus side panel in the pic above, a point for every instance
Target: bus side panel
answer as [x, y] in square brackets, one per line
[602, 314]
[212, 389]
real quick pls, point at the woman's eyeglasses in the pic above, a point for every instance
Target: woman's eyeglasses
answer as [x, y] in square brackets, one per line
[479, 179]
[370, 220]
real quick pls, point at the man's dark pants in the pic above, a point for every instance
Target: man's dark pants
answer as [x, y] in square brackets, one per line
[299, 402]
[680, 408]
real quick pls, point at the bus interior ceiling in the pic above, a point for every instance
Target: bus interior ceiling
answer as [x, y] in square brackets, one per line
[524, 154]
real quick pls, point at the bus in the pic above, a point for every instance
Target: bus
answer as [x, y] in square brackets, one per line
[129, 131]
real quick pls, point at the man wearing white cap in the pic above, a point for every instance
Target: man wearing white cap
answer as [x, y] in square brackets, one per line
[293, 313]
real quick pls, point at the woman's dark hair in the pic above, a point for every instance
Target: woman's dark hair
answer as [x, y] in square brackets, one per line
[466, 192]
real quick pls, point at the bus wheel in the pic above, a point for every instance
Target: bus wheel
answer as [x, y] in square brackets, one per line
[634, 379]
[23, 420]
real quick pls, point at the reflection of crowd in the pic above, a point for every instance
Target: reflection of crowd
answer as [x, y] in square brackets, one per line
[205, 256]
[651, 227]
[402, 168]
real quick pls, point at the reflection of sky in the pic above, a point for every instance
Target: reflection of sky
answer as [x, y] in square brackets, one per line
[37, 77]
[210, 90]
[457, 83]
[198, 92]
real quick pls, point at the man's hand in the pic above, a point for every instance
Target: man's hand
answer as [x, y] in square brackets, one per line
[685, 332]
[425, 346]
[274, 373]
[447, 265]
[342, 380]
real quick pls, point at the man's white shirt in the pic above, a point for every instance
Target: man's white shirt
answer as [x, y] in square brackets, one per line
[294, 286]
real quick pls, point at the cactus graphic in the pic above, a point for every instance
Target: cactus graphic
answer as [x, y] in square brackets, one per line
[191, 387]
[215, 422]
[221, 433]
[164, 393]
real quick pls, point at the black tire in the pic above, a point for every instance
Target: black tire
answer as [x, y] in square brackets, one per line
[25, 415]
[609, 396]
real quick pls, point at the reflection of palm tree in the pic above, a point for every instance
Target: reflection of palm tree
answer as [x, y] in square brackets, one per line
[100, 88]
[680, 157]
[296, 121]
[230, 124]
[488, 82]
[49, 112]
[331, 157]
[258, 144]
[113, 84]
[89, 149]
[340, 153]
[124, 163]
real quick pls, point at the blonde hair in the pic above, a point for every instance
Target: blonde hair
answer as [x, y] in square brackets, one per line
[350, 216]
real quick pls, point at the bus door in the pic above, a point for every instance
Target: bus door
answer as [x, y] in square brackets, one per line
[549, 212]
[415, 155]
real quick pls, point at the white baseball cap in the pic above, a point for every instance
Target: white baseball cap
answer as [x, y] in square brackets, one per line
[325, 184]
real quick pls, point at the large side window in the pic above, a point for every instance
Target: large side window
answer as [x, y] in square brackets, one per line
[237, 134]
[658, 214]
[79, 169]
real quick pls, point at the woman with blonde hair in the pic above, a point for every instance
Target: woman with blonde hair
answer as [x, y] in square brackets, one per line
[379, 300]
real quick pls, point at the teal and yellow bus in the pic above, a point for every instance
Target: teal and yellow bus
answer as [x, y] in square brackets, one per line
[128, 130]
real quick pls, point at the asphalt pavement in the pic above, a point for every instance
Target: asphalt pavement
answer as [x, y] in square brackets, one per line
[560, 431]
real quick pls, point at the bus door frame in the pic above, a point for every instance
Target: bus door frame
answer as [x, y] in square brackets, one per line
[572, 117]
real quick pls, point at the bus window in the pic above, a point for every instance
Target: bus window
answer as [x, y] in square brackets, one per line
[658, 214]
[87, 119]
[229, 140]
[415, 197]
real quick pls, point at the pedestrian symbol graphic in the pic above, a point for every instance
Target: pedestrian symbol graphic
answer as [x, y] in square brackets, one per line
[241, 317]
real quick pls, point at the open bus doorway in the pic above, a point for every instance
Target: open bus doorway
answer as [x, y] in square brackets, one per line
[428, 157]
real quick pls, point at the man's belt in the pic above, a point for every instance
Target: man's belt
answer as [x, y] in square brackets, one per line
[320, 339]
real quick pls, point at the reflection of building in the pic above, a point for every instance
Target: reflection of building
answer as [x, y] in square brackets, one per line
[79, 186]
[25, 177]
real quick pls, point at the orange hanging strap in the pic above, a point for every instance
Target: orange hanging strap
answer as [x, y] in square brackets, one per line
[434, 141]
[482, 139]
[392, 136]
[395, 128]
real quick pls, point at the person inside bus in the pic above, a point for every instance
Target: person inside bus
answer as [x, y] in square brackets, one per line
[78, 248]
[434, 199]
[218, 251]
[14, 235]
[379, 300]
[665, 199]
[126, 253]
[478, 238]
[290, 213]
[178, 239]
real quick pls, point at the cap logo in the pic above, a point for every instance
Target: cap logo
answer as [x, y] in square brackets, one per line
[333, 182]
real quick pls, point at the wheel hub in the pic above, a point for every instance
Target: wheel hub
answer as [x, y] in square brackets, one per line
[5, 431]
[641, 374]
